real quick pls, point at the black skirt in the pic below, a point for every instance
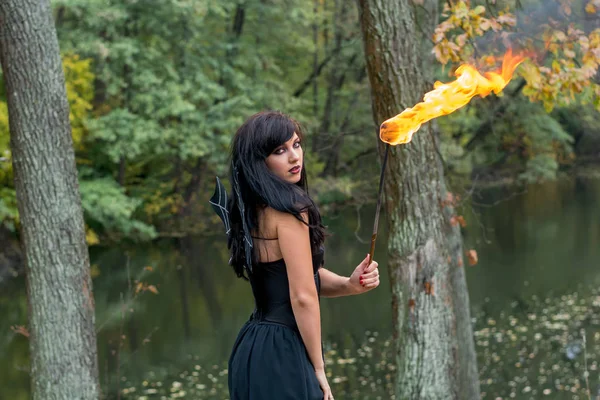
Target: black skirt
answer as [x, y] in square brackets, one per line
[270, 361]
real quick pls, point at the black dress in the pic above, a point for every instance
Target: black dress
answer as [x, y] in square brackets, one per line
[269, 359]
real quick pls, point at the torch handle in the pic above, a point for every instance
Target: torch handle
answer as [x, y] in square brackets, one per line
[372, 250]
[377, 210]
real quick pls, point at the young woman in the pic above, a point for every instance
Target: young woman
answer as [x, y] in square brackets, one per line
[276, 242]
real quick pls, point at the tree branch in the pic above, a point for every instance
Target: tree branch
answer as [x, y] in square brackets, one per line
[485, 127]
[315, 73]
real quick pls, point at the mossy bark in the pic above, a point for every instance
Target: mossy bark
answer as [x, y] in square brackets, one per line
[435, 355]
[61, 306]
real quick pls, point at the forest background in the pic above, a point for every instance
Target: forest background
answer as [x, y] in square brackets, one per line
[157, 88]
[156, 92]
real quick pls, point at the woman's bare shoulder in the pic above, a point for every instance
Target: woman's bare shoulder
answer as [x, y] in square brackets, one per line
[275, 217]
[268, 221]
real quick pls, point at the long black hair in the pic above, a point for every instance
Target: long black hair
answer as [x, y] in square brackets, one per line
[253, 142]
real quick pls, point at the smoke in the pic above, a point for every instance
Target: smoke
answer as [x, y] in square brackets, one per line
[534, 22]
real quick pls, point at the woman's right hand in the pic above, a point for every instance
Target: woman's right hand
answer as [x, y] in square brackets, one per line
[322, 378]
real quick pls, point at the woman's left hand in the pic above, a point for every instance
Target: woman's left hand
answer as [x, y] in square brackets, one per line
[365, 277]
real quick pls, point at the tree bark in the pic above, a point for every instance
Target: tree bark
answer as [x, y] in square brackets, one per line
[315, 82]
[435, 354]
[61, 306]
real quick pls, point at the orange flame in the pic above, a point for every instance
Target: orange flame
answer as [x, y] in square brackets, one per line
[447, 98]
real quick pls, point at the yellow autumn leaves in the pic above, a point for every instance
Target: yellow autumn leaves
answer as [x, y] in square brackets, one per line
[565, 54]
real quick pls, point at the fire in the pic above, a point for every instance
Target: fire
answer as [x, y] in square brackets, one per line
[447, 98]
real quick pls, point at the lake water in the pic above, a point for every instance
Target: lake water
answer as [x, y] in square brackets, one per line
[170, 329]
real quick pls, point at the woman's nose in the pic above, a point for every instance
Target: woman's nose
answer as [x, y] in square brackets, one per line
[294, 155]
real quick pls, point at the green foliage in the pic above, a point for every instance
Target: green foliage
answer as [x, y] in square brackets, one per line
[158, 88]
[8, 208]
[336, 191]
[79, 81]
[537, 139]
[456, 130]
[582, 123]
[107, 207]
[525, 136]
[6, 176]
[121, 134]
[174, 80]
[540, 167]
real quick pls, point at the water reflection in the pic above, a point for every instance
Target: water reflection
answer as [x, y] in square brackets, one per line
[164, 309]
[544, 242]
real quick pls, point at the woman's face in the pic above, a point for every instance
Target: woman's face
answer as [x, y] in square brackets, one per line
[286, 160]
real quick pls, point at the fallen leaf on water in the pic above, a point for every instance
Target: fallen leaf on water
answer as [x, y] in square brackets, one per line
[20, 329]
[472, 256]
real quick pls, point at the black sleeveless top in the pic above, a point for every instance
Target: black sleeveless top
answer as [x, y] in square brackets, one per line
[271, 290]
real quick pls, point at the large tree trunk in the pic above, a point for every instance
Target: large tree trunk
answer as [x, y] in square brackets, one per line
[61, 306]
[434, 343]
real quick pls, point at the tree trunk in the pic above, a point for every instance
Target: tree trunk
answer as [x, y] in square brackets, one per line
[315, 82]
[61, 306]
[434, 343]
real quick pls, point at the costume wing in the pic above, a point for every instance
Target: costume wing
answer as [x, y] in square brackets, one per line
[219, 203]
[247, 238]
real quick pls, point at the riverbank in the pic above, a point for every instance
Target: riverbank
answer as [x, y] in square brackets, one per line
[542, 349]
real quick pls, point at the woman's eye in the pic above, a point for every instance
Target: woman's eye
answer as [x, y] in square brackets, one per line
[281, 150]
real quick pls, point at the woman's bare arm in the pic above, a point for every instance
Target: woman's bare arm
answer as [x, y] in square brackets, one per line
[363, 279]
[334, 285]
[294, 243]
